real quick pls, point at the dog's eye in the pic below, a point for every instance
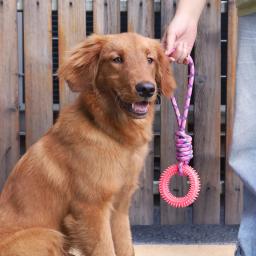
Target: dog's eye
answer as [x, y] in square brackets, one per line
[118, 60]
[150, 60]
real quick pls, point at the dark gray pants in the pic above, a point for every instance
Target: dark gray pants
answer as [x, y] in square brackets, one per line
[243, 150]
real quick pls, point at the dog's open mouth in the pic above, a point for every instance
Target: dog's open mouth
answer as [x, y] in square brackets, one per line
[136, 109]
[140, 108]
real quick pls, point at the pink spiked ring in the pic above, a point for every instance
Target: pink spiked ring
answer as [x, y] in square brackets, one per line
[194, 186]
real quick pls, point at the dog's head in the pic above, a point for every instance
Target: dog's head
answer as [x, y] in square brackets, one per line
[127, 68]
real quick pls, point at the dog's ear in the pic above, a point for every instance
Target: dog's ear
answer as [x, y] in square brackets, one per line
[79, 70]
[164, 75]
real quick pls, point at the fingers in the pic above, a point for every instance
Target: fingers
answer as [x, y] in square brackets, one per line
[183, 54]
[176, 50]
[168, 42]
[180, 55]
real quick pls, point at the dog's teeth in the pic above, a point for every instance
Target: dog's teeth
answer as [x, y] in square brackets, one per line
[140, 107]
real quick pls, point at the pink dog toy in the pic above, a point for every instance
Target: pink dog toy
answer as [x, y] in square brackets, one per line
[184, 153]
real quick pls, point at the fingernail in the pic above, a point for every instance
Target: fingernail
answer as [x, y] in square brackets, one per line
[171, 51]
[172, 59]
[186, 61]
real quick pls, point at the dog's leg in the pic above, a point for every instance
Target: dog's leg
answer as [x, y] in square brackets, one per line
[33, 241]
[120, 226]
[121, 234]
[88, 229]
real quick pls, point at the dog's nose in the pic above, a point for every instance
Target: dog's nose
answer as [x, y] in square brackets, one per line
[145, 89]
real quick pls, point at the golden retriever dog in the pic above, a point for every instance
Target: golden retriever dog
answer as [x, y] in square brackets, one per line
[72, 189]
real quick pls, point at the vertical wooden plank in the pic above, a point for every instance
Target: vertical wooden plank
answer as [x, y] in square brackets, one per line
[38, 68]
[170, 215]
[207, 115]
[142, 208]
[141, 17]
[71, 30]
[141, 20]
[233, 184]
[106, 16]
[9, 111]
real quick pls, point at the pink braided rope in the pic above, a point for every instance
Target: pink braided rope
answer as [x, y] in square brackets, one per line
[184, 150]
[184, 153]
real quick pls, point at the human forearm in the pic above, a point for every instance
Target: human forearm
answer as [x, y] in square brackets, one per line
[190, 9]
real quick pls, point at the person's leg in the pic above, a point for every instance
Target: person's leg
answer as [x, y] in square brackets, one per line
[243, 150]
[247, 230]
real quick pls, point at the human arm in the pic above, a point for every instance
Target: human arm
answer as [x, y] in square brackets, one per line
[181, 32]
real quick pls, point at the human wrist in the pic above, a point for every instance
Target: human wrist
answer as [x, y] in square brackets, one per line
[188, 11]
[186, 18]
[183, 22]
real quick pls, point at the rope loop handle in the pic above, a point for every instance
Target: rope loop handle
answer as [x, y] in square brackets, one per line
[184, 151]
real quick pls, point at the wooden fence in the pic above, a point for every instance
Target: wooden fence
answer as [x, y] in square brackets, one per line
[210, 122]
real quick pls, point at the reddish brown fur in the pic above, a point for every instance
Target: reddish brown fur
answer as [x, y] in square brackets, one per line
[78, 179]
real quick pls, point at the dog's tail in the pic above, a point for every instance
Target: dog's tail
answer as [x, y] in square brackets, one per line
[34, 242]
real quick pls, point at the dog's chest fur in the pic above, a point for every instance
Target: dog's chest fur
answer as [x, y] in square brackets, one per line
[101, 166]
[108, 168]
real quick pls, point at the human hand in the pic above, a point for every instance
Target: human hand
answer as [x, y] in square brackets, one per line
[179, 38]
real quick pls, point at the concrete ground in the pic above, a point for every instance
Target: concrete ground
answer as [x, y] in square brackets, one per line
[185, 234]
[184, 250]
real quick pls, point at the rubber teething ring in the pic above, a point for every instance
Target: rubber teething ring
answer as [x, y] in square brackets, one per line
[193, 191]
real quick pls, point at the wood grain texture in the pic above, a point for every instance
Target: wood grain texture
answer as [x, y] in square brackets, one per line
[71, 30]
[207, 115]
[141, 20]
[38, 68]
[9, 110]
[170, 215]
[106, 16]
[142, 208]
[141, 17]
[233, 184]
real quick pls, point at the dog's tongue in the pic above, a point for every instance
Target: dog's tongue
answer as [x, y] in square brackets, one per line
[140, 107]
